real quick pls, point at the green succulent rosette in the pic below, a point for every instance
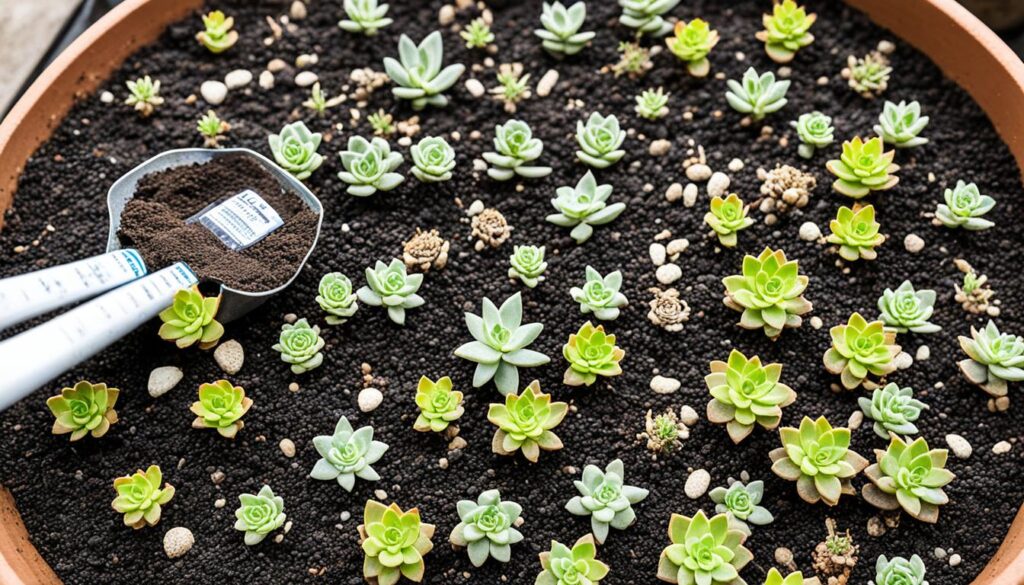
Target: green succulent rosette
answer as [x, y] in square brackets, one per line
[144, 95]
[600, 295]
[691, 42]
[140, 497]
[217, 35]
[259, 514]
[525, 421]
[906, 309]
[364, 16]
[786, 31]
[369, 166]
[746, 394]
[418, 73]
[703, 550]
[606, 498]
[964, 207]
[646, 16]
[600, 141]
[727, 217]
[336, 298]
[994, 359]
[909, 476]
[893, 410]
[742, 503]
[221, 406]
[901, 124]
[190, 319]
[514, 147]
[571, 566]
[868, 76]
[392, 287]
[859, 350]
[295, 150]
[486, 528]
[527, 264]
[439, 405]
[584, 206]
[300, 346]
[819, 459]
[774, 577]
[769, 293]
[863, 167]
[757, 95]
[347, 454]
[394, 543]
[85, 409]
[652, 104]
[899, 571]
[815, 131]
[856, 233]
[433, 160]
[561, 34]
[591, 353]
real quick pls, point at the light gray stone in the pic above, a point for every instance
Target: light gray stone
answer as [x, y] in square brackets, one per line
[163, 379]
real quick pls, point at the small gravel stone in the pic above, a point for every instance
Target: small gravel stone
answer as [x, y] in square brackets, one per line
[690, 195]
[213, 92]
[783, 556]
[475, 208]
[903, 360]
[306, 60]
[238, 78]
[954, 560]
[220, 503]
[688, 415]
[547, 83]
[668, 273]
[446, 15]
[475, 88]
[217, 476]
[697, 484]
[163, 379]
[677, 246]
[663, 385]
[674, 192]
[856, 419]
[698, 172]
[345, 516]
[457, 443]
[229, 356]
[380, 494]
[276, 65]
[886, 47]
[735, 165]
[876, 527]
[658, 253]
[913, 243]
[940, 553]
[107, 97]
[369, 399]
[659, 147]
[266, 80]
[816, 322]
[297, 11]
[718, 184]
[443, 463]
[923, 353]
[809, 231]
[959, 446]
[306, 78]
[287, 447]
[1001, 447]
[178, 541]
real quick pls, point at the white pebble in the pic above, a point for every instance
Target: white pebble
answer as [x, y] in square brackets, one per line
[266, 80]
[298, 10]
[306, 60]
[663, 385]
[913, 243]
[162, 379]
[856, 419]
[674, 192]
[475, 208]
[446, 15]
[659, 147]
[886, 47]
[238, 78]
[229, 356]
[903, 360]
[287, 447]
[178, 541]
[923, 353]
[718, 184]
[939, 552]
[689, 195]
[475, 88]
[735, 165]
[658, 254]
[816, 322]
[369, 399]
[1001, 447]
[668, 273]
[547, 83]
[809, 231]
[698, 172]
[306, 78]
[677, 247]
[954, 560]
[697, 484]
[107, 97]
[213, 92]
[688, 415]
[276, 65]
[959, 446]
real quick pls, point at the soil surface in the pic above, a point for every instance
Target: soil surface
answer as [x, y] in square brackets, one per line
[64, 490]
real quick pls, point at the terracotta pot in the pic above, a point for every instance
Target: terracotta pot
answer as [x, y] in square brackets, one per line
[978, 60]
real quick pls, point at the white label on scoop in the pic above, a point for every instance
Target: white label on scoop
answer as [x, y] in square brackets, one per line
[242, 220]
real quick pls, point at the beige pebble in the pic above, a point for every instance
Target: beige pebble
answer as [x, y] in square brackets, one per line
[809, 231]
[178, 541]
[266, 80]
[674, 192]
[664, 385]
[213, 92]
[1001, 447]
[735, 165]
[287, 447]
[457, 443]
[954, 560]
[547, 83]
[698, 172]
[238, 78]
[229, 356]
[913, 243]
[659, 147]
[783, 555]
[959, 446]
[816, 322]
[718, 184]
[446, 15]
[220, 503]
[923, 353]
[668, 273]
[856, 419]
[690, 195]
[697, 484]
[688, 415]
[677, 247]
[276, 65]
[163, 379]
[297, 11]
[306, 78]
[369, 399]
[658, 253]
[475, 88]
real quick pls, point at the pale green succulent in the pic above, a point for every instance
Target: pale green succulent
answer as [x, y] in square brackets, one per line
[600, 141]
[652, 104]
[745, 394]
[259, 514]
[527, 264]
[584, 206]
[691, 43]
[336, 298]
[590, 353]
[86, 409]
[319, 102]
[906, 309]
[477, 34]
[140, 497]
[513, 86]
[600, 295]
[860, 349]
[212, 129]
[486, 528]
[347, 454]
[964, 207]
[705, 551]
[893, 409]
[868, 76]
[742, 502]
[727, 217]
[815, 131]
[217, 35]
[300, 346]
[909, 476]
[899, 571]
[901, 124]
[392, 287]
[606, 498]
[571, 566]
[144, 95]
[863, 167]
[856, 233]
[994, 359]
[439, 405]
[774, 577]
[418, 73]
[369, 166]
[515, 146]
[393, 543]
[382, 123]
[295, 150]
[525, 421]
[191, 319]
[757, 95]
[221, 406]
[561, 33]
[646, 16]
[818, 458]
[634, 59]
[433, 160]
[769, 293]
[786, 31]
[365, 16]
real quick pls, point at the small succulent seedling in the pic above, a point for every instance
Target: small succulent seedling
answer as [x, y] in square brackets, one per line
[336, 298]
[566, 566]
[486, 528]
[515, 146]
[667, 310]
[477, 34]
[212, 129]
[217, 35]
[499, 344]
[818, 458]
[909, 476]
[899, 571]
[365, 16]
[393, 543]
[300, 346]
[382, 123]
[439, 405]
[191, 319]
[906, 309]
[745, 394]
[392, 287]
[863, 167]
[757, 95]
[527, 264]
[893, 409]
[786, 31]
[645, 16]
[600, 140]
[815, 131]
[663, 431]
[591, 353]
[855, 231]
[769, 292]
[994, 359]
[901, 124]
[295, 150]
[584, 206]
[319, 102]
[742, 502]
[600, 295]
[369, 166]
[347, 454]
[774, 577]
[433, 160]
[691, 43]
[860, 349]
[513, 85]
[606, 498]
[703, 550]
[221, 406]
[727, 217]
[634, 60]
[144, 95]
[418, 73]
[964, 207]
[525, 421]
[868, 76]
[140, 497]
[561, 34]
[652, 104]
[259, 514]
[974, 295]
[86, 409]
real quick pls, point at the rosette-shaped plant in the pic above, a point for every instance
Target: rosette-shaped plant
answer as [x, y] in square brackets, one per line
[525, 421]
[815, 131]
[369, 166]
[336, 298]
[365, 16]
[691, 43]
[259, 514]
[217, 35]
[584, 206]
[742, 503]
[646, 15]
[786, 31]
[433, 160]
[190, 319]
[705, 551]
[901, 124]
[769, 293]
[774, 577]
[606, 498]
[391, 286]
[144, 95]
[994, 359]
[140, 497]
[745, 393]
[591, 353]
[418, 73]
[571, 566]
[477, 34]
[863, 167]
[893, 409]
[757, 95]
[294, 150]
[818, 458]
[85, 409]
[899, 571]
[600, 140]
[860, 349]
[221, 406]
[527, 264]
[499, 344]
[868, 76]
[347, 454]
[393, 543]
[906, 309]
[600, 295]
[727, 217]
[964, 207]
[855, 231]
[300, 346]
[439, 405]
[515, 146]
[652, 104]
[486, 528]
[561, 33]
[909, 476]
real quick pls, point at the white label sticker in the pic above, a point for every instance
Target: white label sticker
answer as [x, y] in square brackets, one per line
[242, 220]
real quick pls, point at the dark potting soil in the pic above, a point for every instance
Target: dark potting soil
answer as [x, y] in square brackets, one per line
[154, 222]
[64, 490]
